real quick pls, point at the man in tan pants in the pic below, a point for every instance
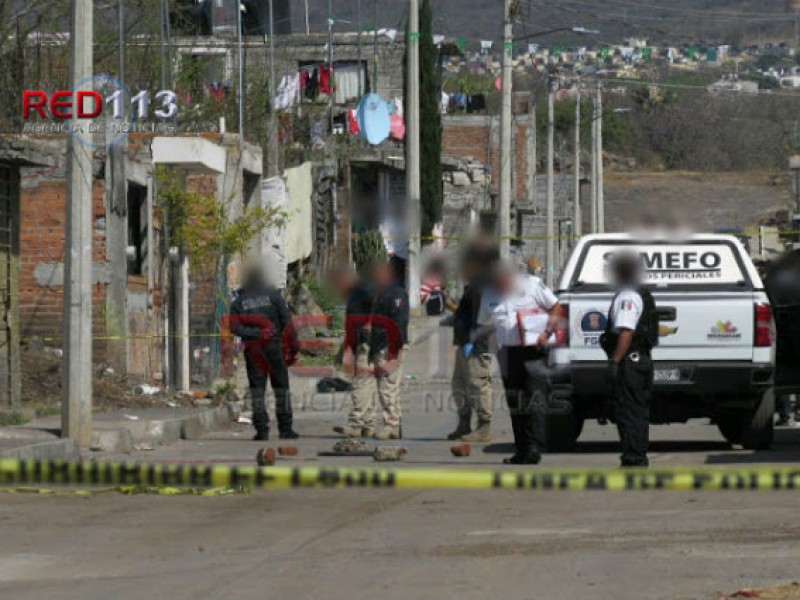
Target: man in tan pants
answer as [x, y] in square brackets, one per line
[472, 383]
[472, 392]
[375, 378]
[377, 336]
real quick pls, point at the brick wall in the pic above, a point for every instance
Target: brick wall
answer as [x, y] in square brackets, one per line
[42, 228]
[478, 137]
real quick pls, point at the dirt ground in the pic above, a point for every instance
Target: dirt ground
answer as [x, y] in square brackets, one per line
[704, 201]
[41, 388]
[783, 592]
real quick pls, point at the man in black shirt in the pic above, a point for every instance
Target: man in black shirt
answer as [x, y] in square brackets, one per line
[471, 384]
[259, 316]
[387, 344]
[359, 299]
[376, 336]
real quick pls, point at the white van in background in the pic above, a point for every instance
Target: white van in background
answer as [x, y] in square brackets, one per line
[716, 352]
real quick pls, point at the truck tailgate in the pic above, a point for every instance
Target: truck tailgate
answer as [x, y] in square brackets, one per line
[693, 327]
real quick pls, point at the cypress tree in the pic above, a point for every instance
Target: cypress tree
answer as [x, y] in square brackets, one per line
[430, 122]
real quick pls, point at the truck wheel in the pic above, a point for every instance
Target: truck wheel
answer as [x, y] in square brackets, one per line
[562, 431]
[752, 429]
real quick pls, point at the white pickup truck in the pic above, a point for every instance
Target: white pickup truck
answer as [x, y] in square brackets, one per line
[716, 352]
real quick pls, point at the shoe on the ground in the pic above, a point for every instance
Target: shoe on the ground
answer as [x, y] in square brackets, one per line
[531, 457]
[261, 435]
[463, 428]
[349, 430]
[482, 434]
[783, 422]
[289, 434]
[388, 433]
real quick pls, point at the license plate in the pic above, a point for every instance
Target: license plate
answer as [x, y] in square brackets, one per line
[667, 375]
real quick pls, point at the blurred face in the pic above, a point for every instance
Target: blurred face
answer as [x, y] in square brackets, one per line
[625, 270]
[382, 274]
[504, 281]
[342, 282]
[470, 270]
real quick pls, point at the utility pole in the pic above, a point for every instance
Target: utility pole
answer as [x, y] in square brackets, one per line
[358, 50]
[76, 407]
[531, 151]
[272, 150]
[271, 50]
[504, 212]
[330, 64]
[593, 154]
[374, 82]
[550, 232]
[308, 23]
[413, 188]
[601, 209]
[577, 224]
[241, 72]
[163, 39]
[121, 25]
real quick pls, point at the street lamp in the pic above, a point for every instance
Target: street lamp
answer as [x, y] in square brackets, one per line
[505, 137]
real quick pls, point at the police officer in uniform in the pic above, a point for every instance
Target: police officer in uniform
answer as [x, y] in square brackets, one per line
[631, 333]
[259, 316]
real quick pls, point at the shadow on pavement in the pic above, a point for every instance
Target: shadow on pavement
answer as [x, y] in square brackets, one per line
[655, 447]
[499, 448]
[758, 456]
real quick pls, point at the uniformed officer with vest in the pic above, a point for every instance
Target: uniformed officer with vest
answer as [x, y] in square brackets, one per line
[259, 316]
[631, 333]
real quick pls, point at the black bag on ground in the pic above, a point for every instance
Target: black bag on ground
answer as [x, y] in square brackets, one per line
[435, 304]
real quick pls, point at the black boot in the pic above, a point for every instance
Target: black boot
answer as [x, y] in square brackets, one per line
[532, 456]
[463, 428]
[289, 434]
[262, 434]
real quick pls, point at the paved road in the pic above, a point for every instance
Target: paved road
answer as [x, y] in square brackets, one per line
[409, 544]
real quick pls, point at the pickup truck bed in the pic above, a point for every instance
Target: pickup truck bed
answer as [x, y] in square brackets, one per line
[716, 354]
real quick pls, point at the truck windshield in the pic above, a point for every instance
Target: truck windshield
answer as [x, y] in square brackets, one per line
[708, 265]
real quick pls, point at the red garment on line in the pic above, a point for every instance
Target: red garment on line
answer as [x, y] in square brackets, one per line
[325, 77]
[352, 122]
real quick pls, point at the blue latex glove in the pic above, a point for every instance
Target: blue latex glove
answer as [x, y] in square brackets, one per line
[468, 350]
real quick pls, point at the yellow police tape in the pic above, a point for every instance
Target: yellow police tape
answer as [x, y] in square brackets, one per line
[129, 490]
[26, 472]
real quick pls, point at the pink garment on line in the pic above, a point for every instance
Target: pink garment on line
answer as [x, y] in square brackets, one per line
[397, 127]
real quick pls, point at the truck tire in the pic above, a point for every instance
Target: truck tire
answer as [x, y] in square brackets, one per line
[754, 428]
[562, 431]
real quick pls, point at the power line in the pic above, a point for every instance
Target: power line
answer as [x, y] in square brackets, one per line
[684, 10]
